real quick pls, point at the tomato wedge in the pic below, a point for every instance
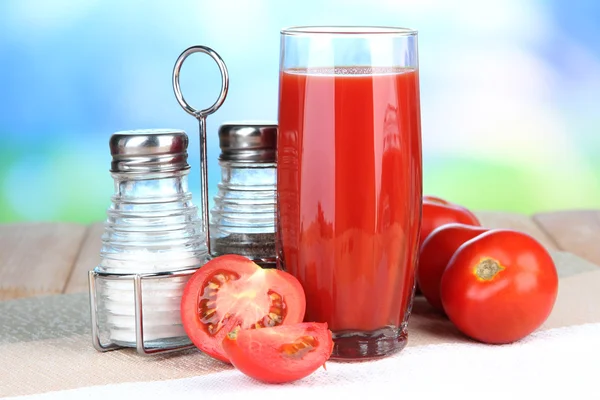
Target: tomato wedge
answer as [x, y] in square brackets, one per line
[231, 291]
[281, 354]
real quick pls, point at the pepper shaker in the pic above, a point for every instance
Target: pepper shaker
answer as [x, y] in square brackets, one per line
[153, 241]
[244, 211]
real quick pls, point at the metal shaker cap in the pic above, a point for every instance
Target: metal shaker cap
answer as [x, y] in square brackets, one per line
[248, 141]
[149, 150]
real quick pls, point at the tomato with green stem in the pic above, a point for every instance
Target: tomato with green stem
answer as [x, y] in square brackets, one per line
[499, 286]
[230, 291]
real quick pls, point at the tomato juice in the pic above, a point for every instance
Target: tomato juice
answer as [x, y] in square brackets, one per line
[349, 193]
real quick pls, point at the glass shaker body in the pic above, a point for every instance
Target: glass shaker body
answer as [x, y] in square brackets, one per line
[244, 211]
[152, 229]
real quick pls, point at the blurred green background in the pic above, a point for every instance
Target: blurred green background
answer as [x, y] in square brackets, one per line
[509, 92]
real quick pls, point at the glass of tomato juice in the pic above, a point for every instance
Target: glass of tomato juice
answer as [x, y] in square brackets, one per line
[349, 181]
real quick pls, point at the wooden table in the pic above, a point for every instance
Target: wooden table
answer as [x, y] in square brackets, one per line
[53, 258]
[45, 341]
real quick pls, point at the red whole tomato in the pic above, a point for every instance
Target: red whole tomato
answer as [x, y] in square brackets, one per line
[281, 354]
[435, 253]
[438, 212]
[499, 286]
[231, 291]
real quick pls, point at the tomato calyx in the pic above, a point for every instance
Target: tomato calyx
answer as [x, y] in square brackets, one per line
[487, 269]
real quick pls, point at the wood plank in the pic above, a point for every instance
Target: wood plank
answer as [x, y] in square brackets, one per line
[47, 258]
[577, 232]
[520, 222]
[568, 264]
[88, 258]
[37, 258]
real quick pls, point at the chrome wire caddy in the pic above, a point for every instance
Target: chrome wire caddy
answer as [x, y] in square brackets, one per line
[124, 288]
[136, 279]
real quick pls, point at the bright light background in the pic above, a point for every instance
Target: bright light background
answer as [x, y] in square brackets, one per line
[510, 92]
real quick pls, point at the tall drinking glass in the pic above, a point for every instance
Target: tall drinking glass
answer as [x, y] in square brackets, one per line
[349, 180]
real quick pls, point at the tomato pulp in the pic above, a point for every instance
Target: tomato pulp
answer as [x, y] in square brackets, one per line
[349, 192]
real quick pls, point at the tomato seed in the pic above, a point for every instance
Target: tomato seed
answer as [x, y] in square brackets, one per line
[211, 329]
[299, 347]
[212, 285]
[223, 278]
[267, 322]
[274, 296]
[276, 312]
[210, 303]
[275, 317]
[208, 300]
[209, 294]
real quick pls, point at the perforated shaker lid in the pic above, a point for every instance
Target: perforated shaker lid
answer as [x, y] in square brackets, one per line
[248, 141]
[149, 150]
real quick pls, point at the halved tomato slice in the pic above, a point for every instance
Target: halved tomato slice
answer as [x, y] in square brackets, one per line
[280, 354]
[231, 291]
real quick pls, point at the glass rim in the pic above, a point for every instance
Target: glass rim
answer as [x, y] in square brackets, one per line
[348, 30]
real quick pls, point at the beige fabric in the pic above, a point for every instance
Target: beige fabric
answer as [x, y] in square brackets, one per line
[45, 342]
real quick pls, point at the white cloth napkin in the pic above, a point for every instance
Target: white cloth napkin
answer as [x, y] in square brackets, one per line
[563, 360]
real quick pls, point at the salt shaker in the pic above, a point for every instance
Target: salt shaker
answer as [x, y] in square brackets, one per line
[153, 241]
[244, 211]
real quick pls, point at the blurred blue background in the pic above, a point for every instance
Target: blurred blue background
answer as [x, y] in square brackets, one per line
[510, 92]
